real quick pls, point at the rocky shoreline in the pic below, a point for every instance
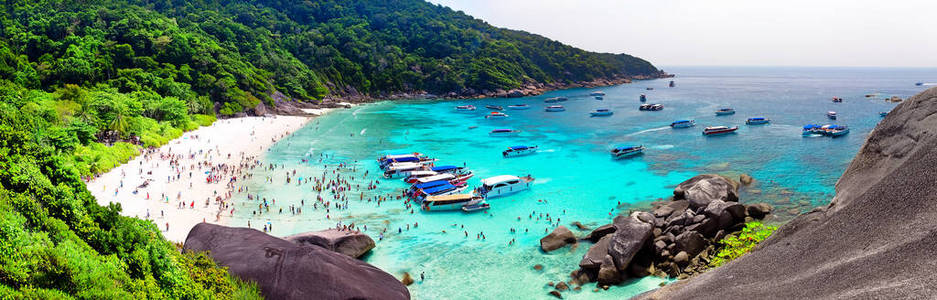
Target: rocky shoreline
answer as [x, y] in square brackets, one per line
[283, 105]
[674, 240]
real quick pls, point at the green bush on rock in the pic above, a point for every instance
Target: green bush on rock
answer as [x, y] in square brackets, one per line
[735, 245]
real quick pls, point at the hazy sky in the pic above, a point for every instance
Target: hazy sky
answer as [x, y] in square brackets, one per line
[730, 32]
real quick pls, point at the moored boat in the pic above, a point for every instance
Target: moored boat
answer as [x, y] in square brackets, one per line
[555, 99]
[515, 151]
[601, 112]
[555, 108]
[597, 93]
[883, 114]
[725, 111]
[642, 98]
[683, 124]
[649, 88]
[757, 121]
[476, 206]
[504, 132]
[598, 98]
[403, 170]
[811, 129]
[494, 107]
[496, 115]
[394, 156]
[651, 107]
[519, 106]
[627, 151]
[414, 175]
[717, 130]
[837, 99]
[465, 108]
[831, 115]
[503, 185]
[450, 202]
[837, 130]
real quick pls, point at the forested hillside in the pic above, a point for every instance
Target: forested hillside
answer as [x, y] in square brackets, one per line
[237, 53]
[84, 85]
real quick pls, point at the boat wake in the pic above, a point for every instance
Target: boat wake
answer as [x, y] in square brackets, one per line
[661, 147]
[542, 180]
[549, 150]
[648, 130]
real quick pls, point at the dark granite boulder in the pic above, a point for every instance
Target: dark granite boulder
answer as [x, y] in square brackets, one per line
[692, 242]
[593, 259]
[630, 236]
[598, 233]
[561, 236]
[702, 189]
[759, 210]
[608, 273]
[351, 243]
[287, 270]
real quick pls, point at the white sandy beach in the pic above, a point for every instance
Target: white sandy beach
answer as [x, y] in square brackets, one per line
[226, 147]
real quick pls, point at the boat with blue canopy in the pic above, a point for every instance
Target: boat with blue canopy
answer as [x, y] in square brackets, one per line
[683, 124]
[811, 129]
[757, 121]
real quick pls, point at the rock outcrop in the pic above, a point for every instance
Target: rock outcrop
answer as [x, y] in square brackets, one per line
[287, 270]
[354, 244]
[669, 240]
[561, 236]
[875, 239]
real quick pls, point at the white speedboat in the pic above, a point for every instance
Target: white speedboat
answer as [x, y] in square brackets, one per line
[402, 170]
[495, 115]
[628, 151]
[515, 151]
[465, 108]
[683, 124]
[555, 108]
[718, 130]
[519, 106]
[601, 112]
[503, 185]
[504, 132]
[450, 202]
[831, 115]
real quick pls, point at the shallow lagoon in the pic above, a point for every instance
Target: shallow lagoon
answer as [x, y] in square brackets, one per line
[575, 178]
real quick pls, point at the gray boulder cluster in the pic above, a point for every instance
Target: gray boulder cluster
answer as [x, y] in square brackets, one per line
[666, 241]
[304, 266]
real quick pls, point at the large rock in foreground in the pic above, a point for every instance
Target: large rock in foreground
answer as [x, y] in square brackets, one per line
[630, 236]
[351, 243]
[287, 270]
[875, 240]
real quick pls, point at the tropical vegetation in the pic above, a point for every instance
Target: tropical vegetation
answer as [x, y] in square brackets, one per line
[735, 245]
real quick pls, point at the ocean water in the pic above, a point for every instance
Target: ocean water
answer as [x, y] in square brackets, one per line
[576, 180]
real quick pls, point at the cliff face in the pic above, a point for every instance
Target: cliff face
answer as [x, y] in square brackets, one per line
[874, 240]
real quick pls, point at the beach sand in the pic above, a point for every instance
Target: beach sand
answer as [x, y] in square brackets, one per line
[195, 152]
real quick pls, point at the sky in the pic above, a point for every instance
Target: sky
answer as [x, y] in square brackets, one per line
[883, 33]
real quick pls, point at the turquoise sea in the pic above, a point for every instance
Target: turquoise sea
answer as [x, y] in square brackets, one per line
[576, 180]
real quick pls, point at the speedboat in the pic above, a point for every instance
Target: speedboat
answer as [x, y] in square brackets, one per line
[415, 175]
[555, 99]
[597, 93]
[622, 152]
[725, 111]
[757, 121]
[445, 189]
[503, 185]
[514, 151]
[496, 115]
[404, 160]
[450, 169]
[651, 107]
[837, 130]
[465, 108]
[601, 112]
[717, 130]
[395, 156]
[402, 170]
[683, 124]
[555, 108]
[643, 98]
[504, 132]
[831, 115]
[519, 106]
[476, 206]
[494, 107]
[837, 99]
[450, 202]
[811, 129]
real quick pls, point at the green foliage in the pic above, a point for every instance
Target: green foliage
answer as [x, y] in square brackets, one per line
[736, 245]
